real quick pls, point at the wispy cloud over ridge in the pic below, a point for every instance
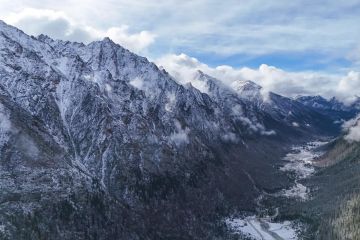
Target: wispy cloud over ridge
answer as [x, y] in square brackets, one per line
[59, 25]
[291, 84]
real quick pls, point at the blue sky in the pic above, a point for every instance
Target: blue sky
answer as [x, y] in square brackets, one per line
[294, 35]
[320, 36]
[289, 61]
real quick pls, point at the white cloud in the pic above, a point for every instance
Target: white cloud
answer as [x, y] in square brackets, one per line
[252, 126]
[28, 146]
[222, 27]
[136, 42]
[180, 136]
[5, 124]
[279, 27]
[59, 25]
[349, 87]
[290, 84]
[137, 83]
[227, 27]
[256, 127]
[350, 123]
[184, 69]
[354, 134]
[150, 88]
[352, 129]
[6, 127]
[295, 124]
[171, 103]
[230, 137]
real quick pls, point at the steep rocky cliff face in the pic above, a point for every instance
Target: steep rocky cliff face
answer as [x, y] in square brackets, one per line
[99, 143]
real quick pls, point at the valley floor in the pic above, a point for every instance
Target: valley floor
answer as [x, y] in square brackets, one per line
[263, 228]
[263, 225]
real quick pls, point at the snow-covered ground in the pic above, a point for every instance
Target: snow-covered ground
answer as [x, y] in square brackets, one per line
[297, 191]
[299, 162]
[262, 229]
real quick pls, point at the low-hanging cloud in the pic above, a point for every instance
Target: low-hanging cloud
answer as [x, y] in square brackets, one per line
[354, 134]
[58, 25]
[5, 124]
[290, 84]
[181, 135]
[352, 129]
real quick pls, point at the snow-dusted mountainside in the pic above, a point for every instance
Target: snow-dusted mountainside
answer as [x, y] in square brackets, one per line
[332, 108]
[99, 143]
[264, 113]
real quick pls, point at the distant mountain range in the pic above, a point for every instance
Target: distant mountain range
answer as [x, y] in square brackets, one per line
[332, 108]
